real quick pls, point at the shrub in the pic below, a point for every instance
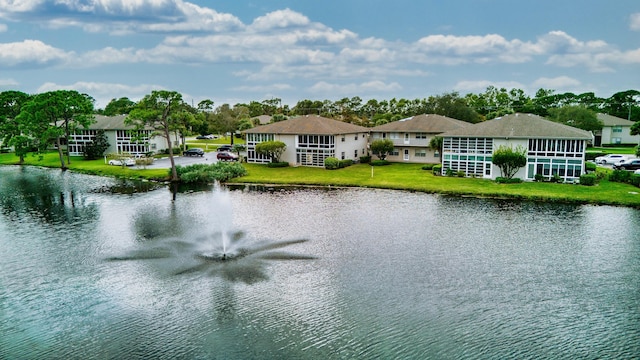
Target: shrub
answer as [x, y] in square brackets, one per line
[588, 179]
[590, 166]
[556, 178]
[346, 163]
[379, 162]
[208, 173]
[437, 169]
[461, 173]
[504, 180]
[635, 180]
[279, 164]
[331, 163]
[538, 177]
[450, 172]
[621, 176]
[176, 151]
[428, 166]
[365, 159]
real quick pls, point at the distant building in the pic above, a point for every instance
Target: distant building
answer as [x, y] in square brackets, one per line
[552, 148]
[122, 138]
[411, 137]
[615, 131]
[310, 139]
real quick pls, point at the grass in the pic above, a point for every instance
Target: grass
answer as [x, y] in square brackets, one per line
[212, 145]
[395, 176]
[628, 150]
[95, 167]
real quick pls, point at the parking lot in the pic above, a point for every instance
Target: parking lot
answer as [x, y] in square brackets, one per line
[164, 163]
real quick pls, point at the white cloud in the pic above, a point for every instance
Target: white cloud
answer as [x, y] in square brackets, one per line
[557, 83]
[634, 21]
[29, 52]
[8, 82]
[263, 88]
[3, 28]
[279, 19]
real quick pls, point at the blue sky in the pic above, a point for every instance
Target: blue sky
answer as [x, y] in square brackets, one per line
[235, 51]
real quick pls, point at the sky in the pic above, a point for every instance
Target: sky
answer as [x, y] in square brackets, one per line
[237, 51]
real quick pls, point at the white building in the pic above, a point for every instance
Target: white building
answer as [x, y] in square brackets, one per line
[552, 148]
[615, 131]
[310, 139]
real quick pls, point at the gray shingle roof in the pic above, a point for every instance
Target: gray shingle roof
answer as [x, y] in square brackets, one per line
[310, 124]
[609, 120]
[110, 123]
[526, 126]
[425, 123]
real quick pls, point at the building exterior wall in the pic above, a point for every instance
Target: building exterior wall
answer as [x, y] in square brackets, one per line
[409, 147]
[310, 149]
[120, 141]
[612, 135]
[548, 157]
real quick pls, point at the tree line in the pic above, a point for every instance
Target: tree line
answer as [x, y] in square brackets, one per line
[36, 122]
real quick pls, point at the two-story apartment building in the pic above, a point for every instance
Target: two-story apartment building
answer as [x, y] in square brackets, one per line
[122, 138]
[615, 131]
[411, 137]
[310, 139]
[552, 148]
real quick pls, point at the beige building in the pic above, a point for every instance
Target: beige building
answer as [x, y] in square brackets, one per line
[310, 139]
[615, 131]
[411, 137]
[552, 148]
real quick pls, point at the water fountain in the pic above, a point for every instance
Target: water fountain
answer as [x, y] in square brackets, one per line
[205, 243]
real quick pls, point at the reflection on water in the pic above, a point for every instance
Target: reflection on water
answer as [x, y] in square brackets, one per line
[383, 274]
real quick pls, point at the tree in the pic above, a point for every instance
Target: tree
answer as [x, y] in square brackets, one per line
[119, 107]
[577, 116]
[161, 110]
[50, 116]
[436, 143]
[509, 160]
[381, 148]
[272, 149]
[97, 147]
[11, 133]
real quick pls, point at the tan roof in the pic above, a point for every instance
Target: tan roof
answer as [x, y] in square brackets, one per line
[112, 123]
[425, 123]
[308, 124]
[608, 120]
[526, 126]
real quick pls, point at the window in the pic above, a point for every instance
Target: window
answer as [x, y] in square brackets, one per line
[342, 155]
[421, 135]
[394, 136]
[342, 138]
[617, 129]
[421, 153]
[355, 154]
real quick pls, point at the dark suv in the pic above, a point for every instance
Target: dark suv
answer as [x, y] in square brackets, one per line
[194, 152]
[225, 148]
[632, 164]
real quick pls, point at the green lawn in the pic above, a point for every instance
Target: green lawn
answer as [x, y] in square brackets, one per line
[395, 176]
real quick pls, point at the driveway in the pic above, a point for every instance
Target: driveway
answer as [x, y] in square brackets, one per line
[164, 163]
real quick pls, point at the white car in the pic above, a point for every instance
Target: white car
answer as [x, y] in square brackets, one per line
[611, 159]
[118, 162]
[637, 172]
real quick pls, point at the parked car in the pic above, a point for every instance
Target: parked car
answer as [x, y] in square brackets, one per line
[637, 172]
[228, 148]
[611, 159]
[631, 164]
[119, 162]
[194, 152]
[227, 156]
[204, 137]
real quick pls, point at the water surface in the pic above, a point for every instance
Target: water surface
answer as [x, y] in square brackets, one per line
[88, 271]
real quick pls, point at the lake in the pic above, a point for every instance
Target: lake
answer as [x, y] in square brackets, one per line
[99, 268]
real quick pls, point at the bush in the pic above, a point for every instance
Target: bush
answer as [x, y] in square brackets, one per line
[538, 177]
[450, 172]
[588, 179]
[635, 180]
[621, 176]
[556, 178]
[208, 173]
[365, 159]
[346, 163]
[176, 151]
[280, 164]
[437, 169]
[590, 166]
[461, 173]
[428, 166]
[331, 163]
[379, 162]
[504, 180]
